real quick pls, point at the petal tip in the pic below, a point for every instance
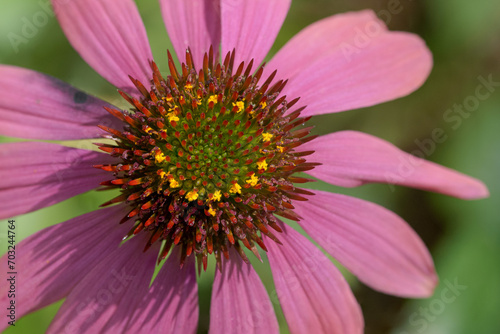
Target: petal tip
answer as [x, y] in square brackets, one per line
[479, 191]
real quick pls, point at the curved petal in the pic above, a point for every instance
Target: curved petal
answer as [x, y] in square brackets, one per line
[240, 303]
[171, 305]
[353, 158]
[37, 175]
[314, 296]
[37, 106]
[107, 296]
[372, 242]
[110, 37]
[192, 24]
[351, 61]
[251, 27]
[52, 261]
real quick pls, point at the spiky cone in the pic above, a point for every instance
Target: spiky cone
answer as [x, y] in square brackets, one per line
[208, 157]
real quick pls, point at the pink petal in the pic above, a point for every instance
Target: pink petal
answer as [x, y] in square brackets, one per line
[351, 61]
[171, 305]
[104, 300]
[110, 37]
[51, 262]
[372, 242]
[314, 296]
[193, 24]
[251, 27]
[352, 158]
[37, 175]
[37, 106]
[240, 303]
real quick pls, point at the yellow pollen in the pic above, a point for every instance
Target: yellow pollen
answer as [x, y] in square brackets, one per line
[211, 211]
[163, 174]
[267, 136]
[149, 130]
[173, 183]
[169, 98]
[192, 195]
[189, 85]
[217, 196]
[263, 104]
[262, 165]
[172, 117]
[235, 189]
[240, 105]
[280, 148]
[253, 180]
[159, 157]
[213, 99]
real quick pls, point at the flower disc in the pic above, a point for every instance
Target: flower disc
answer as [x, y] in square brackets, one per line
[207, 158]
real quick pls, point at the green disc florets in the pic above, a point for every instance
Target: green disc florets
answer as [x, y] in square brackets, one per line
[207, 157]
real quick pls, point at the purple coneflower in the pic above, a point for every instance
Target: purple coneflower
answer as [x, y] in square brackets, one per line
[205, 162]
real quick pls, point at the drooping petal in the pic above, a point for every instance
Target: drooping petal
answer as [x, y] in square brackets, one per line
[110, 37]
[51, 262]
[372, 242]
[351, 61]
[251, 27]
[193, 24]
[106, 297]
[37, 106]
[171, 305]
[314, 295]
[353, 158]
[240, 303]
[37, 175]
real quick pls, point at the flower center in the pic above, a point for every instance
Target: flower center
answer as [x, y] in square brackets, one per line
[207, 158]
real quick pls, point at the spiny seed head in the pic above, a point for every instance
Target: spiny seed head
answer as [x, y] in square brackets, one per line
[207, 157]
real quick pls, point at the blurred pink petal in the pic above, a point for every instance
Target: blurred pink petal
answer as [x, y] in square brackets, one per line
[171, 305]
[305, 46]
[110, 37]
[251, 27]
[37, 175]
[37, 106]
[364, 64]
[353, 158]
[110, 292]
[54, 260]
[240, 303]
[314, 295]
[372, 242]
[193, 24]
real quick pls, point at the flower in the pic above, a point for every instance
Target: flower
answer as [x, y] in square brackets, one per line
[181, 162]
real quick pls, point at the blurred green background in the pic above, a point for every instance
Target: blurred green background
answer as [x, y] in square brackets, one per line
[464, 237]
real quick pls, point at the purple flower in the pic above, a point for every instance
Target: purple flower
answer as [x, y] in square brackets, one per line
[205, 162]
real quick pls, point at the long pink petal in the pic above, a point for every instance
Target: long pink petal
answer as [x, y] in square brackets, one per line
[372, 242]
[193, 24]
[111, 291]
[240, 303]
[351, 61]
[314, 296]
[251, 27]
[37, 175]
[110, 37]
[352, 158]
[37, 106]
[171, 305]
[51, 262]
